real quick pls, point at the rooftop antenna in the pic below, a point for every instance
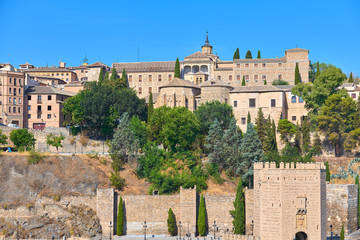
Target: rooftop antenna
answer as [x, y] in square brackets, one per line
[85, 59]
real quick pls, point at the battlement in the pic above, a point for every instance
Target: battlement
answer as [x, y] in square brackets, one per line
[272, 165]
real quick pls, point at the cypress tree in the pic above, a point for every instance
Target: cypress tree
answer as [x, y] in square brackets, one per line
[297, 74]
[107, 77]
[270, 144]
[239, 213]
[120, 218]
[258, 55]
[305, 133]
[124, 79]
[177, 69]
[201, 223]
[342, 233]
[150, 108]
[236, 54]
[317, 146]
[248, 118]
[298, 138]
[261, 125]
[317, 69]
[171, 222]
[358, 186]
[265, 83]
[351, 80]
[243, 81]
[327, 171]
[101, 75]
[113, 75]
[248, 55]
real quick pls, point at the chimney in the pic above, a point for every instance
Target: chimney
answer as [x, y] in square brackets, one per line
[62, 65]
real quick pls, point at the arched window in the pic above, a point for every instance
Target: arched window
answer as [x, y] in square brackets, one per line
[293, 99]
[301, 100]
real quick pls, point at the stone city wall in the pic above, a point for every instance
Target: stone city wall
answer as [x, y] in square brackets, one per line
[231, 236]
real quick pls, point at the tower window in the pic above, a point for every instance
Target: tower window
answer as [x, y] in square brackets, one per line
[252, 103]
[159, 78]
[238, 77]
[140, 78]
[235, 103]
[150, 78]
[230, 77]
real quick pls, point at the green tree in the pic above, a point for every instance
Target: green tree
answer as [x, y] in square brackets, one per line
[290, 154]
[208, 112]
[270, 144]
[236, 54]
[324, 85]
[124, 79]
[201, 222]
[156, 124]
[251, 150]
[336, 118]
[265, 83]
[120, 219]
[342, 233]
[177, 73]
[239, 213]
[351, 80]
[297, 74]
[73, 111]
[286, 129]
[150, 107]
[258, 55]
[139, 130]
[358, 186]
[171, 224]
[297, 139]
[317, 69]
[317, 146]
[243, 83]
[22, 138]
[261, 126]
[3, 138]
[214, 144]
[305, 135]
[248, 119]
[101, 75]
[279, 82]
[327, 171]
[248, 55]
[55, 141]
[113, 76]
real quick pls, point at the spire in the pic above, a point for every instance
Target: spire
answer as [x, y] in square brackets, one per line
[207, 39]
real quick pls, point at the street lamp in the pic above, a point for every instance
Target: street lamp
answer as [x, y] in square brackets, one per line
[214, 228]
[180, 229]
[110, 229]
[145, 226]
[331, 232]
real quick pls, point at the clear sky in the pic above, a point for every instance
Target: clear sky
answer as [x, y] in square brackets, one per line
[42, 32]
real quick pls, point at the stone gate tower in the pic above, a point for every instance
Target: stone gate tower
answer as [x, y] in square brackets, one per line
[289, 202]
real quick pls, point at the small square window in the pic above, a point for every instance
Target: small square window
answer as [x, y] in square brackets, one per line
[247, 77]
[263, 77]
[243, 121]
[29, 97]
[255, 65]
[159, 78]
[49, 116]
[256, 78]
[29, 116]
[49, 108]
[140, 90]
[230, 77]
[150, 90]
[219, 77]
[14, 109]
[273, 102]
[39, 108]
[235, 103]
[279, 64]
[49, 97]
[264, 65]
[301, 100]
[238, 77]
[38, 116]
[293, 99]
[29, 108]
[293, 118]
[252, 103]
[9, 109]
[130, 78]
[150, 78]
[170, 77]
[353, 95]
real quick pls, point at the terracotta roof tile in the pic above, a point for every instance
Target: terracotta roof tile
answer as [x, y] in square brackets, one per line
[215, 83]
[48, 90]
[264, 60]
[264, 88]
[145, 67]
[178, 82]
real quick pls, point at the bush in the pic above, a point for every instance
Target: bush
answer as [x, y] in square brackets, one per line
[56, 197]
[212, 170]
[34, 158]
[117, 181]
[22, 138]
[171, 223]
[84, 140]
[279, 82]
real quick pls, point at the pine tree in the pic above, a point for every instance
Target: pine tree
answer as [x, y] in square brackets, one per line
[297, 74]
[351, 80]
[356, 123]
[120, 218]
[317, 146]
[113, 76]
[171, 222]
[243, 81]
[150, 107]
[327, 171]
[261, 126]
[214, 143]
[239, 213]
[101, 76]
[251, 151]
[317, 69]
[305, 133]
[248, 55]
[342, 233]
[177, 69]
[201, 223]
[248, 118]
[265, 83]
[298, 138]
[230, 145]
[258, 55]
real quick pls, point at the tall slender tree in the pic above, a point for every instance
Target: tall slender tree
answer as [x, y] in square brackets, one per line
[342, 233]
[298, 138]
[150, 107]
[351, 80]
[265, 83]
[258, 55]
[201, 223]
[248, 55]
[101, 75]
[328, 176]
[248, 118]
[317, 145]
[317, 69]
[358, 186]
[297, 74]
[239, 213]
[113, 76]
[270, 144]
[261, 125]
[236, 54]
[171, 222]
[177, 69]
[124, 79]
[243, 81]
[120, 218]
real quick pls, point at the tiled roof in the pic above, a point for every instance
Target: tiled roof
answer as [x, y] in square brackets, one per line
[44, 77]
[48, 90]
[98, 64]
[25, 64]
[215, 83]
[145, 67]
[264, 88]
[197, 54]
[264, 60]
[47, 69]
[178, 82]
[297, 50]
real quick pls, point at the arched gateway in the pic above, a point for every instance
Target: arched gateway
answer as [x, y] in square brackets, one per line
[301, 236]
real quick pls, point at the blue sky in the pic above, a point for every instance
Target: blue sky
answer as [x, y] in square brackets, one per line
[42, 32]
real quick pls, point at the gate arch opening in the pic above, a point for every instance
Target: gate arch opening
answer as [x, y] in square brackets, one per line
[301, 236]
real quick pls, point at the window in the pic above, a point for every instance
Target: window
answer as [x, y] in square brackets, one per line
[10, 80]
[235, 103]
[140, 90]
[29, 116]
[279, 64]
[246, 65]
[19, 81]
[353, 95]
[39, 98]
[68, 79]
[39, 108]
[255, 65]
[264, 65]
[150, 90]
[49, 116]
[170, 77]
[9, 99]
[263, 77]
[293, 118]
[14, 81]
[82, 71]
[68, 74]
[49, 108]
[252, 102]
[140, 78]
[273, 102]
[29, 97]
[159, 89]
[280, 76]
[9, 90]
[14, 101]
[256, 78]
[219, 77]
[49, 97]
[62, 74]
[14, 91]
[150, 78]
[29, 108]
[238, 77]
[293, 99]
[38, 116]
[130, 78]
[19, 110]
[14, 109]
[301, 100]
[159, 78]
[230, 77]
[9, 109]
[19, 91]
[19, 100]
[238, 65]
[243, 121]
[247, 77]
[57, 74]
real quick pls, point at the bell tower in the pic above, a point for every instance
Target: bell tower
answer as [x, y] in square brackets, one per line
[207, 48]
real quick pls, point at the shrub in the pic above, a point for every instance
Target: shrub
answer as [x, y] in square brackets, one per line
[171, 223]
[34, 158]
[56, 197]
[29, 206]
[279, 82]
[83, 140]
[72, 141]
[117, 181]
